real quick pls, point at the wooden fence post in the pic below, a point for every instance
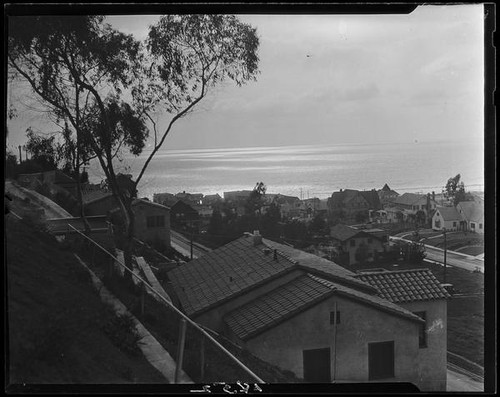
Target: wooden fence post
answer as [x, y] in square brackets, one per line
[143, 293]
[180, 349]
[202, 357]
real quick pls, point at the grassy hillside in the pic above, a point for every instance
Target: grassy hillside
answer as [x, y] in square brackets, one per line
[59, 332]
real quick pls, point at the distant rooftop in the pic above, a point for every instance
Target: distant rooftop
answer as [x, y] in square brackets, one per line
[472, 210]
[92, 193]
[449, 213]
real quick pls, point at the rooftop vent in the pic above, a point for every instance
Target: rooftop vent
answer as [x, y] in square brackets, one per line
[266, 251]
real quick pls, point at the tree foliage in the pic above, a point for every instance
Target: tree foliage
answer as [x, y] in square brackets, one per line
[271, 222]
[255, 200]
[455, 190]
[318, 226]
[44, 149]
[107, 85]
[187, 55]
[71, 63]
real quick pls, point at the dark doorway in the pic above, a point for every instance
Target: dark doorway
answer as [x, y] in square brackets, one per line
[317, 365]
[381, 360]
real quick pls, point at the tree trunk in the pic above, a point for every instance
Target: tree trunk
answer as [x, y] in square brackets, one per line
[129, 238]
[128, 234]
[86, 224]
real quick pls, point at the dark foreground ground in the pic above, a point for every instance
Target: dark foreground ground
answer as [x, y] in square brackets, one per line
[59, 332]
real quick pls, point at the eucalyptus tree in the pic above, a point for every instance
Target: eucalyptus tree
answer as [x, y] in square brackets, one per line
[79, 66]
[108, 86]
[187, 56]
[455, 190]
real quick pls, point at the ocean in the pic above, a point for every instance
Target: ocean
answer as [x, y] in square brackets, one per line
[309, 170]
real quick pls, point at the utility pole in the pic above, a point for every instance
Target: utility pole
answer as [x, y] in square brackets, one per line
[444, 234]
[335, 341]
[20, 155]
[192, 236]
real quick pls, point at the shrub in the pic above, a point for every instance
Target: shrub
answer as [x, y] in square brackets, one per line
[121, 331]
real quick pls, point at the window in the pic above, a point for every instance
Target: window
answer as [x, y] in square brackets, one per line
[480, 226]
[454, 224]
[422, 332]
[332, 317]
[437, 223]
[380, 360]
[472, 225]
[353, 243]
[155, 221]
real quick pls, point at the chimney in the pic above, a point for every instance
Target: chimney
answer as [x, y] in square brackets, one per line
[433, 196]
[257, 238]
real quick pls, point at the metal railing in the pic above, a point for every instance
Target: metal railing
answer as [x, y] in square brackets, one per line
[184, 318]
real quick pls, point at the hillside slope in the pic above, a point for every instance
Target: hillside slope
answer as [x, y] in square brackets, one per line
[59, 332]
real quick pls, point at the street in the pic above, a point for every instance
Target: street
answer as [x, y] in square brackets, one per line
[183, 245]
[453, 258]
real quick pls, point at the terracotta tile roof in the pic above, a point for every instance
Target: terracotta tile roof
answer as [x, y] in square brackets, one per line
[290, 299]
[240, 266]
[223, 273]
[373, 300]
[274, 307]
[406, 285]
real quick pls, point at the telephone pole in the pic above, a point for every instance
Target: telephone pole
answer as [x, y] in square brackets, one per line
[444, 234]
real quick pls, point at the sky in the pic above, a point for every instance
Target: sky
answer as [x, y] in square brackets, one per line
[336, 79]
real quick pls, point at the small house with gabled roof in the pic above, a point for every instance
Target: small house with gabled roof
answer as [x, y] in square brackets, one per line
[351, 206]
[300, 312]
[419, 291]
[386, 194]
[97, 200]
[447, 218]
[472, 213]
[356, 245]
[152, 222]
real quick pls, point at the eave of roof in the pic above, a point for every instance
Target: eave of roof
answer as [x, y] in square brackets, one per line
[275, 309]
